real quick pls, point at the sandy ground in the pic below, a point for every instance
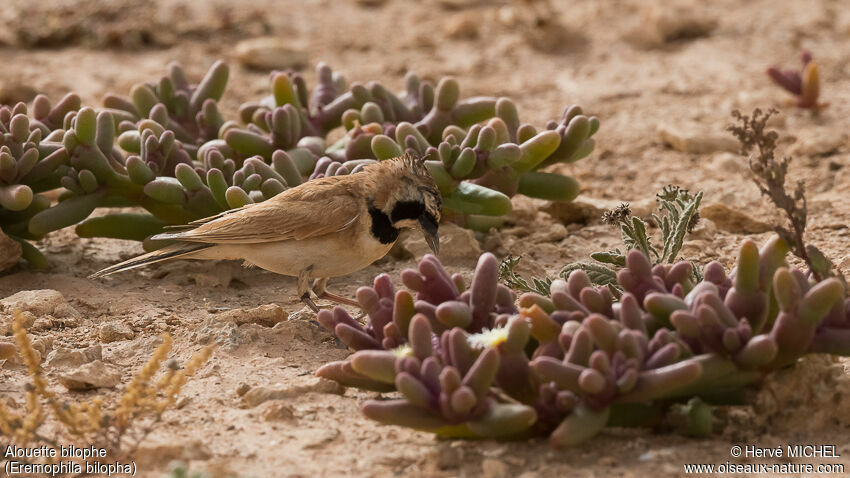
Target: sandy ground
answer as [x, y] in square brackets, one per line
[599, 54]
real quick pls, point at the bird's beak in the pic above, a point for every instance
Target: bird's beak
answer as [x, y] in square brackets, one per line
[429, 229]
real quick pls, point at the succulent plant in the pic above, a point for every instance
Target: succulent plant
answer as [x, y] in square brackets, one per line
[30, 152]
[570, 363]
[803, 84]
[190, 112]
[167, 149]
[477, 166]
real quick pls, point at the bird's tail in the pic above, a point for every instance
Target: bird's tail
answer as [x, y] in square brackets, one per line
[173, 251]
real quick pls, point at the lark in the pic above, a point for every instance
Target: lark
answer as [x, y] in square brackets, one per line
[324, 228]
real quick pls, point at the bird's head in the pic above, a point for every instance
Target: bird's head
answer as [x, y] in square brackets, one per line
[409, 198]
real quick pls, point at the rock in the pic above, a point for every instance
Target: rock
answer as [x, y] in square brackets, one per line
[819, 144]
[10, 250]
[115, 331]
[447, 457]
[665, 22]
[66, 358]
[267, 315]
[12, 93]
[270, 53]
[277, 410]
[242, 389]
[94, 374]
[6, 321]
[730, 163]
[493, 468]
[7, 350]
[462, 27]
[690, 139]
[731, 220]
[318, 437]
[456, 244]
[554, 233]
[43, 302]
[258, 395]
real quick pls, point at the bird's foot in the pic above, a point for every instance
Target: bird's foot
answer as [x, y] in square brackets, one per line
[307, 300]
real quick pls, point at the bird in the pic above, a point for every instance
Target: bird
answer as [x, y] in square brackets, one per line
[323, 228]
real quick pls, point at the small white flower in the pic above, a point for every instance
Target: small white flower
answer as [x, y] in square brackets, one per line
[488, 338]
[403, 351]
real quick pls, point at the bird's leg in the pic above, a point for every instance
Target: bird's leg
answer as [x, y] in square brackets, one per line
[304, 289]
[322, 293]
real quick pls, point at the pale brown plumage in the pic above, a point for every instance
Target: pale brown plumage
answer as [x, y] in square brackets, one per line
[358, 215]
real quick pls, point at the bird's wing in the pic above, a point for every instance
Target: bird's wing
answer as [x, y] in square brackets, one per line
[284, 217]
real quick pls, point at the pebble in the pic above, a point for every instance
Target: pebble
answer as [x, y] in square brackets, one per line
[692, 140]
[63, 357]
[7, 350]
[277, 410]
[819, 144]
[40, 303]
[462, 27]
[115, 331]
[94, 374]
[665, 22]
[270, 53]
[242, 389]
[493, 468]
[258, 395]
[267, 315]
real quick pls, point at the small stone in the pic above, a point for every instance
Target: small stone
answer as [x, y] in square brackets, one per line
[819, 144]
[493, 468]
[691, 140]
[457, 245]
[267, 315]
[277, 410]
[182, 402]
[66, 358]
[10, 250]
[7, 350]
[448, 458]
[12, 93]
[91, 375]
[665, 22]
[115, 331]
[730, 163]
[242, 389]
[462, 27]
[38, 302]
[318, 438]
[270, 53]
[731, 220]
[6, 322]
[258, 395]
